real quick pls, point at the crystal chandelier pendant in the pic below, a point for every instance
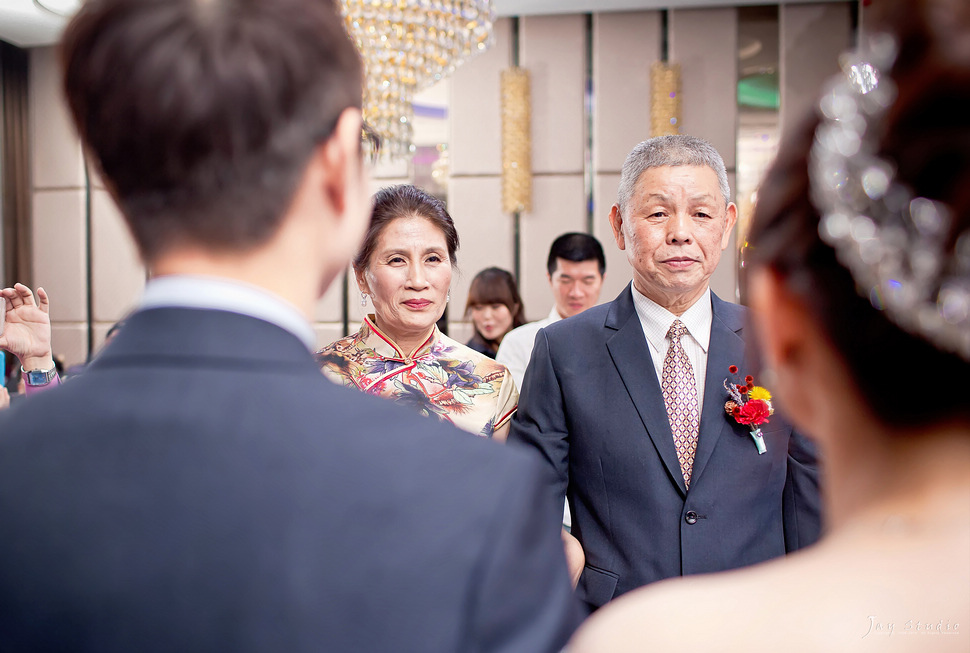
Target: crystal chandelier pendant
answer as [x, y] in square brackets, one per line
[407, 46]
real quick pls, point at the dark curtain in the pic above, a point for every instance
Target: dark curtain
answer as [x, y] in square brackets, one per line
[15, 165]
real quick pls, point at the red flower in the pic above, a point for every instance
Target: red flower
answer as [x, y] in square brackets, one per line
[754, 411]
[743, 389]
[749, 380]
[733, 369]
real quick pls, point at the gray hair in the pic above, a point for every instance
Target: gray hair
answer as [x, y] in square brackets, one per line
[674, 150]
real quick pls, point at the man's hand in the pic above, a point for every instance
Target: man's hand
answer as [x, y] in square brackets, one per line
[575, 556]
[27, 331]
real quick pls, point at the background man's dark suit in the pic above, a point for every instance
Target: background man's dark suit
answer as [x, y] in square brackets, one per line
[203, 487]
[591, 405]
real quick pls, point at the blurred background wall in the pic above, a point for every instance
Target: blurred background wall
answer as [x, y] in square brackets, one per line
[748, 73]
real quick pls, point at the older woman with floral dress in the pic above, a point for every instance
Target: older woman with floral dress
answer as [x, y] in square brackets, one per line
[405, 267]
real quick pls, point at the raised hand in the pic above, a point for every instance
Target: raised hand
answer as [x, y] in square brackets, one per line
[27, 329]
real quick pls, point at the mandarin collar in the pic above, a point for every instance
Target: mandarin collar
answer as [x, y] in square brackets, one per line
[385, 347]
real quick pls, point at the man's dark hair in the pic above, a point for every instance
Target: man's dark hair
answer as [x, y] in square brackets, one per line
[576, 247]
[203, 114]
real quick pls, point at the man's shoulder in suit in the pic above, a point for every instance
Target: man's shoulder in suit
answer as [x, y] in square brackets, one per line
[395, 530]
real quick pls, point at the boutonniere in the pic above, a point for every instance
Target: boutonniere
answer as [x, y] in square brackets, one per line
[749, 404]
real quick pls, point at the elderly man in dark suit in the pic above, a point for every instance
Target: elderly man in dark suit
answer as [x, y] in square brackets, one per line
[625, 403]
[202, 487]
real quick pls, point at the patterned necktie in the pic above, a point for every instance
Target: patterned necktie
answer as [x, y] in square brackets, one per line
[680, 398]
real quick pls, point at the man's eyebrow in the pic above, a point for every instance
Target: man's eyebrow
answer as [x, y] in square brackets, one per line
[703, 197]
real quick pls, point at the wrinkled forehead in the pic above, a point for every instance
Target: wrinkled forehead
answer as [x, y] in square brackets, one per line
[678, 182]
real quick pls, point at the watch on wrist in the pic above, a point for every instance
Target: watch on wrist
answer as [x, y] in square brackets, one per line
[38, 377]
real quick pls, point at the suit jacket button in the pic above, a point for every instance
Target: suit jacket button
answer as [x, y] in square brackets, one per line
[690, 517]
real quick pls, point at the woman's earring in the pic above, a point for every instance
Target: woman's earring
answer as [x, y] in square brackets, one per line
[448, 297]
[363, 298]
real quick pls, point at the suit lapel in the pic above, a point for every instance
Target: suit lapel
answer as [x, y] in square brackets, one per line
[726, 349]
[631, 356]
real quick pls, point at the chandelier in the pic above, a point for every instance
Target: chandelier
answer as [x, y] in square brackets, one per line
[407, 46]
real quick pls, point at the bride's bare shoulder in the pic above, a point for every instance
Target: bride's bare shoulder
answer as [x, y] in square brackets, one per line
[829, 598]
[686, 614]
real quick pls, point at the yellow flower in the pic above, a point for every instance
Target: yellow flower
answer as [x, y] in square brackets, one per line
[758, 392]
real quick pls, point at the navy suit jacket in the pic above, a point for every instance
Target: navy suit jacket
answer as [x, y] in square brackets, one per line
[592, 408]
[202, 487]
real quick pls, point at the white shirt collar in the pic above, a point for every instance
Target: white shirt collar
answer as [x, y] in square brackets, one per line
[191, 291]
[554, 315]
[656, 320]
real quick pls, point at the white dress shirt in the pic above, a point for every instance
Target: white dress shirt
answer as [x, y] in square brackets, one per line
[656, 320]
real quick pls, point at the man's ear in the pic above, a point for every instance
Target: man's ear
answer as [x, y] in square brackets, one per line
[341, 160]
[616, 223]
[731, 216]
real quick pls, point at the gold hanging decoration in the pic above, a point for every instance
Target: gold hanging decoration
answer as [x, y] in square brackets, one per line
[664, 98]
[516, 141]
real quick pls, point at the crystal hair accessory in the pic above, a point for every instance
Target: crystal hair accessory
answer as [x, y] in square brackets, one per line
[894, 244]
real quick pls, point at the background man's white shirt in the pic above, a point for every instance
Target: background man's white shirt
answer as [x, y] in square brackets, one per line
[516, 348]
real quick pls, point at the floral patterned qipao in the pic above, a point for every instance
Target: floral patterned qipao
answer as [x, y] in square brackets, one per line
[441, 377]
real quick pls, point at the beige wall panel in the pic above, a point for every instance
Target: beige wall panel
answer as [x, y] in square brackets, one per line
[704, 43]
[625, 44]
[55, 149]
[328, 332]
[460, 331]
[486, 234]
[559, 207]
[553, 48]
[811, 38]
[618, 270]
[59, 252]
[100, 330]
[329, 308]
[386, 172]
[118, 275]
[69, 340]
[475, 112]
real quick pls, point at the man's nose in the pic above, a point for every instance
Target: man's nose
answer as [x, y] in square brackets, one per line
[679, 228]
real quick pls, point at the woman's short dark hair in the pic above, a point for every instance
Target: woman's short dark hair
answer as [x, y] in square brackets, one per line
[406, 201]
[203, 114]
[496, 286]
[926, 134]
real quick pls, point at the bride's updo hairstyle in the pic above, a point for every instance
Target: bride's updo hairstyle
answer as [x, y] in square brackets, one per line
[866, 214]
